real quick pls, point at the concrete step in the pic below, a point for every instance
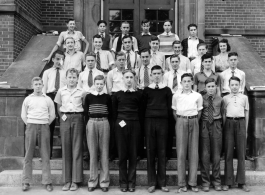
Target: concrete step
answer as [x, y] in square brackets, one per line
[13, 178]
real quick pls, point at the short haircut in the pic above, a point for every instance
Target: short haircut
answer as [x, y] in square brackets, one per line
[97, 36]
[174, 56]
[156, 67]
[90, 54]
[102, 21]
[120, 53]
[127, 36]
[202, 44]
[125, 22]
[69, 38]
[192, 25]
[226, 42]
[170, 21]
[145, 50]
[36, 79]
[144, 21]
[58, 52]
[176, 42]
[210, 80]
[187, 75]
[154, 38]
[69, 19]
[72, 71]
[129, 70]
[207, 56]
[232, 54]
[99, 77]
[234, 79]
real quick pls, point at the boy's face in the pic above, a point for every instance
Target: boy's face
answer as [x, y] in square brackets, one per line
[156, 75]
[120, 62]
[146, 27]
[70, 44]
[174, 63]
[167, 27]
[210, 88]
[193, 31]
[234, 86]
[145, 57]
[37, 86]
[97, 42]
[127, 43]
[90, 62]
[233, 61]
[202, 50]
[186, 83]
[99, 84]
[101, 28]
[71, 25]
[177, 48]
[58, 60]
[128, 79]
[71, 79]
[223, 47]
[154, 45]
[207, 63]
[125, 28]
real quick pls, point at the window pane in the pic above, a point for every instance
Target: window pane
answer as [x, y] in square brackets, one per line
[153, 26]
[160, 27]
[114, 27]
[150, 14]
[127, 14]
[114, 15]
[163, 15]
[131, 26]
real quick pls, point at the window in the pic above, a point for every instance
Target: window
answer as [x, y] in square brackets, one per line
[156, 18]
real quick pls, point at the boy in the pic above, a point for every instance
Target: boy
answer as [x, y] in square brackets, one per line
[53, 79]
[211, 136]
[104, 59]
[235, 118]
[157, 58]
[69, 101]
[187, 106]
[157, 99]
[189, 44]
[201, 77]
[144, 73]
[77, 35]
[144, 38]
[37, 113]
[107, 38]
[97, 109]
[232, 71]
[166, 39]
[117, 43]
[184, 61]
[73, 58]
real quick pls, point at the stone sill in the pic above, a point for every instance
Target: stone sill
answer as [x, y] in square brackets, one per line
[234, 31]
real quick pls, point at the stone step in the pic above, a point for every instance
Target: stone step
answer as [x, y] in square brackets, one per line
[13, 178]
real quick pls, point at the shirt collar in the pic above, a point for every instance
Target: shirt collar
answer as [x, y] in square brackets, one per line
[43, 95]
[232, 70]
[96, 51]
[75, 89]
[148, 66]
[207, 96]
[191, 91]
[160, 85]
[169, 33]
[68, 32]
[93, 69]
[117, 70]
[195, 38]
[153, 52]
[102, 33]
[125, 89]
[210, 74]
[60, 68]
[94, 92]
[145, 33]
[67, 52]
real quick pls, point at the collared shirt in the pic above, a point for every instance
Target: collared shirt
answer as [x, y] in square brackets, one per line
[227, 74]
[221, 62]
[132, 59]
[38, 109]
[147, 34]
[169, 77]
[77, 35]
[130, 89]
[196, 65]
[201, 77]
[83, 80]
[97, 93]
[166, 40]
[184, 64]
[115, 42]
[70, 100]
[217, 105]
[49, 77]
[140, 76]
[187, 104]
[106, 58]
[235, 105]
[104, 34]
[115, 80]
[158, 59]
[192, 47]
[160, 85]
[73, 60]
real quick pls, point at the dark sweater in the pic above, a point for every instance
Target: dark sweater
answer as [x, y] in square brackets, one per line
[157, 102]
[185, 46]
[106, 42]
[97, 106]
[126, 105]
[143, 42]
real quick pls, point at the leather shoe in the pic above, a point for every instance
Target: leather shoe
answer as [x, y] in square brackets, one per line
[73, 187]
[182, 189]
[25, 186]
[123, 189]
[244, 187]
[104, 189]
[205, 188]
[131, 189]
[194, 189]
[164, 189]
[66, 186]
[151, 189]
[91, 189]
[225, 188]
[217, 188]
[49, 187]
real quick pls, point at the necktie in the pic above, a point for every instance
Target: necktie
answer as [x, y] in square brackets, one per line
[156, 87]
[90, 79]
[57, 79]
[175, 80]
[210, 109]
[98, 61]
[202, 67]
[146, 76]
[128, 60]
[102, 35]
[233, 73]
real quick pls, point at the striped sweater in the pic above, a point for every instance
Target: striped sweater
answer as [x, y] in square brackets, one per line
[166, 43]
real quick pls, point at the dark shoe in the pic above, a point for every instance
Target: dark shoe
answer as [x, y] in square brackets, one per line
[86, 157]
[182, 189]
[217, 188]
[104, 189]
[25, 186]
[205, 188]
[244, 187]
[151, 189]
[74, 187]
[164, 189]
[49, 187]
[225, 188]
[123, 189]
[194, 188]
[66, 186]
[131, 189]
[91, 189]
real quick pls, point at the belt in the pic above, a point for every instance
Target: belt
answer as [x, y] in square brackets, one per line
[187, 117]
[98, 119]
[235, 118]
[72, 112]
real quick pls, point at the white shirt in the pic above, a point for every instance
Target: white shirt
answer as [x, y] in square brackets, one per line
[140, 76]
[184, 64]
[106, 59]
[97, 93]
[115, 80]
[160, 85]
[130, 89]
[168, 79]
[196, 65]
[132, 59]
[115, 42]
[157, 59]
[77, 35]
[192, 47]
[73, 60]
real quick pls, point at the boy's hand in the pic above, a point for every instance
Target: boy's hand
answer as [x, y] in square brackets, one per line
[47, 59]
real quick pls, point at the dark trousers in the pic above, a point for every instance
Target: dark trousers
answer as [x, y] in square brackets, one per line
[72, 147]
[171, 134]
[127, 142]
[156, 131]
[210, 150]
[235, 136]
[141, 143]
[112, 142]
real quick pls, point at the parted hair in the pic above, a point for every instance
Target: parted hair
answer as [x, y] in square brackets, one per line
[226, 42]
[234, 79]
[36, 79]
[58, 52]
[72, 71]
[99, 77]
[210, 80]
[187, 75]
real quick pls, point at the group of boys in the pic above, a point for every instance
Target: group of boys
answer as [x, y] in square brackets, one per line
[187, 100]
